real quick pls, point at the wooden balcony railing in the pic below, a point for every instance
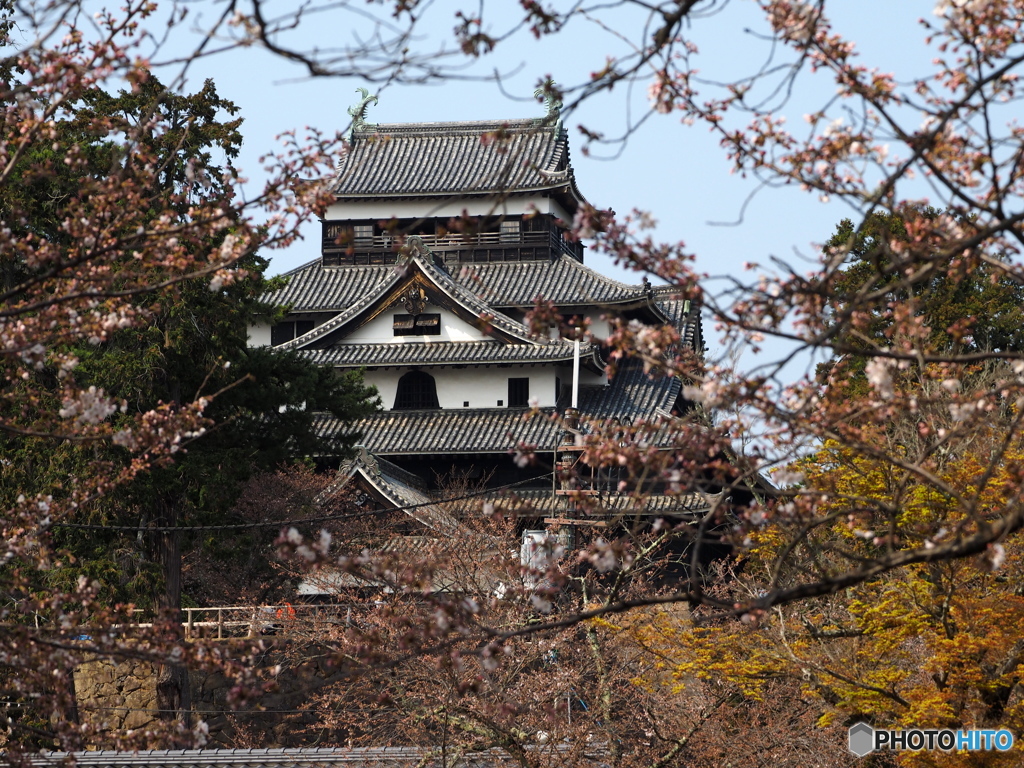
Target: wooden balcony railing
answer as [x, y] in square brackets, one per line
[454, 248]
[235, 621]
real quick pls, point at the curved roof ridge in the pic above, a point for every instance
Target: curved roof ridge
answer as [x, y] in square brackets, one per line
[455, 125]
[604, 278]
[295, 270]
[396, 487]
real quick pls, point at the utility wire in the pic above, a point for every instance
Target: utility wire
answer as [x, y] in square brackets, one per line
[303, 521]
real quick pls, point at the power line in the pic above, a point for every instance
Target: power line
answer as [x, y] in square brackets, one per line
[303, 521]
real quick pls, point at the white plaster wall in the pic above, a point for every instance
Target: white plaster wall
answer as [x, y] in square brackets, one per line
[381, 330]
[258, 335]
[600, 327]
[481, 387]
[409, 209]
[386, 382]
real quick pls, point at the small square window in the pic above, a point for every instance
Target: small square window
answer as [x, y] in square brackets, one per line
[465, 403]
[501, 403]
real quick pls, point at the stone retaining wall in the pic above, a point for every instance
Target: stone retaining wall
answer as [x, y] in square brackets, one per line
[121, 696]
[116, 696]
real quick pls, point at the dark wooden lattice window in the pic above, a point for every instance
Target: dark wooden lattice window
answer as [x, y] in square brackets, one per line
[418, 325]
[362, 234]
[510, 231]
[289, 330]
[416, 390]
[518, 392]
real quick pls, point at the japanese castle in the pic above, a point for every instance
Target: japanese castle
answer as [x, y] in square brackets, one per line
[441, 237]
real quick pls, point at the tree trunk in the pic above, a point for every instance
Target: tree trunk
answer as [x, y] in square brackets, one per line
[173, 694]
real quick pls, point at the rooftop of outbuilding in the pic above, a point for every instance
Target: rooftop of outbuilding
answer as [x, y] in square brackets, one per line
[305, 757]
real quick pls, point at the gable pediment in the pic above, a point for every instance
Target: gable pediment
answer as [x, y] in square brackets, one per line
[414, 285]
[415, 317]
[387, 486]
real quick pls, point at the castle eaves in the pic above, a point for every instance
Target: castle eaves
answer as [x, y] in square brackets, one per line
[564, 281]
[633, 396]
[447, 353]
[462, 158]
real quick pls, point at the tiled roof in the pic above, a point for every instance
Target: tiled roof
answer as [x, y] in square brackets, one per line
[436, 159]
[503, 285]
[632, 395]
[450, 431]
[414, 490]
[566, 282]
[360, 757]
[537, 502]
[400, 488]
[341, 319]
[311, 288]
[446, 353]
[676, 310]
[684, 315]
[470, 303]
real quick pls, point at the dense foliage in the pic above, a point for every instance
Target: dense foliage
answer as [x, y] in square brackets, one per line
[132, 405]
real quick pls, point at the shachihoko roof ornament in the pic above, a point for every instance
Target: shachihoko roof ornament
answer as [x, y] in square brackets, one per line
[358, 113]
[552, 103]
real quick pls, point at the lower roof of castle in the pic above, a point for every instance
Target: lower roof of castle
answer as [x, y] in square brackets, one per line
[632, 395]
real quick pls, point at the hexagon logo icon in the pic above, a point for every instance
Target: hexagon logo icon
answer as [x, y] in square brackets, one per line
[862, 739]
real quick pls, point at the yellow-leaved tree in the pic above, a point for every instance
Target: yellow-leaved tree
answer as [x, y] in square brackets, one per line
[930, 645]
